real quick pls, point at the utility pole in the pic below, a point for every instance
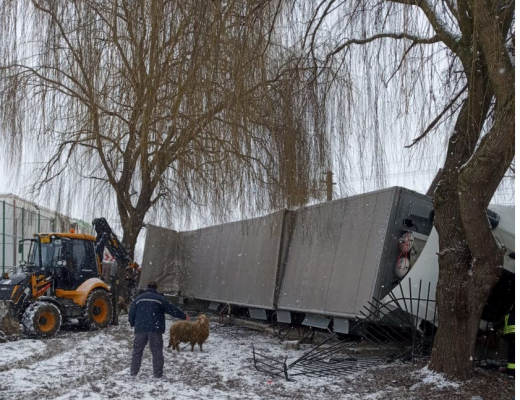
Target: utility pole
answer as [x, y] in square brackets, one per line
[329, 183]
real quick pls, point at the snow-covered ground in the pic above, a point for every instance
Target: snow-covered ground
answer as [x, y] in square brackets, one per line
[95, 365]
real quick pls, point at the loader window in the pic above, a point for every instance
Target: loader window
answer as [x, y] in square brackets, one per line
[83, 255]
[33, 257]
[80, 263]
[50, 253]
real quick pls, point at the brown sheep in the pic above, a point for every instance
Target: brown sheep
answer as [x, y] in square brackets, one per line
[189, 332]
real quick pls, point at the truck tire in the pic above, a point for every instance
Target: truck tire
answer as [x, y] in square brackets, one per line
[97, 313]
[42, 319]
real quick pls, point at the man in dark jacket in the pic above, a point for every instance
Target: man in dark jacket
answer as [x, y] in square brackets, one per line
[146, 316]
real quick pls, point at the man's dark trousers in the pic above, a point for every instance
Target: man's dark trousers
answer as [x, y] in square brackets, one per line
[146, 316]
[156, 347]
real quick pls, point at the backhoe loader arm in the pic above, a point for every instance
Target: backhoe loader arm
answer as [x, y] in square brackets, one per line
[107, 238]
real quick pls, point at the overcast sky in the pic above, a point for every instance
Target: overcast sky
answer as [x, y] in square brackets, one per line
[402, 167]
[4, 188]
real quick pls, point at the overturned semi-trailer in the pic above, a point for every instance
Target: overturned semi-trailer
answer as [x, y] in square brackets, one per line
[420, 283]
[323, 262]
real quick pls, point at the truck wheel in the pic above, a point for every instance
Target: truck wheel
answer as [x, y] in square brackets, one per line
[42, 319]
[98, 310]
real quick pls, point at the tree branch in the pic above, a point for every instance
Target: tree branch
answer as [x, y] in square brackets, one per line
[397, 36]
[426, 6]
[437, 119]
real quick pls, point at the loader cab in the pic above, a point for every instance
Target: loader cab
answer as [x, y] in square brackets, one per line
[69, 258]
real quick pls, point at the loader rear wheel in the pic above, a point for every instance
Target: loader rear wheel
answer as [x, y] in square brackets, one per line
[98, 310]
[42, 319]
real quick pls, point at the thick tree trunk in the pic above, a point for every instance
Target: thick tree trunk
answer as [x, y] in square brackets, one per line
[469, 267]
[457, 334]
[131, 232]
[459, 309]
[129, 280]
[469, 259]
[132, 221]
[461, 296]
[458, 320]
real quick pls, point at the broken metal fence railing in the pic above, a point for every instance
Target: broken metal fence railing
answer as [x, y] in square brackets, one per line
[270, 365]
[398, 321]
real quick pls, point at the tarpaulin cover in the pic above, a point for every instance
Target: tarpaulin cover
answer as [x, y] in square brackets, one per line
[335, 254]
[235, 262]
[159, 261]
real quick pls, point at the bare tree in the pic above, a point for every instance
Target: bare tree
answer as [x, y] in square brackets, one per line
[166, 103]
[452, 65]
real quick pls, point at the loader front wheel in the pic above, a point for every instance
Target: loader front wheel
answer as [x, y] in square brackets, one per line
[98, 310]
[42, 319]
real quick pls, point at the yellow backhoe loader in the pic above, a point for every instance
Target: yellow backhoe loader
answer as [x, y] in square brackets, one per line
[60, 280]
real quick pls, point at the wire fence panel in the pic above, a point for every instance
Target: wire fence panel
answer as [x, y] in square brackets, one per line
[18, 223]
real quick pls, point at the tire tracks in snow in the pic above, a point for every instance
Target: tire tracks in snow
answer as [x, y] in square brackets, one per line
[51, 349]
[68, 362]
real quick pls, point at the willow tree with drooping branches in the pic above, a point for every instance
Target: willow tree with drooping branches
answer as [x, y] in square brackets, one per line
[446, 68]
[173, 104]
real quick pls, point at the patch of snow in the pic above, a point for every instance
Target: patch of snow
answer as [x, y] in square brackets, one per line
[14, 352]
[376, 396]
[95, 365]
[438, 381]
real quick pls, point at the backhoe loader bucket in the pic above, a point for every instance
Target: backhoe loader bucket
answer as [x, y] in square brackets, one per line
[9, 323]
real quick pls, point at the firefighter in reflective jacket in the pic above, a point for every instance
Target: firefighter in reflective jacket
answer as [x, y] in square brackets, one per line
[509, 335]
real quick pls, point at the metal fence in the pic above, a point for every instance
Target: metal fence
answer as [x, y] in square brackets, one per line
[398, 327]
[18, 223]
